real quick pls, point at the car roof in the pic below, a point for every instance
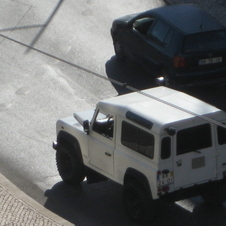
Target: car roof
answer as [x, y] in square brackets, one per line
[188, 18]
[151, 105]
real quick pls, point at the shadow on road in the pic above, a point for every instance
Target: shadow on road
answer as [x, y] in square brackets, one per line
[100, 204]
[132, 74]
[45, 25]
[88, 204]
[209, 215]
[41, 26]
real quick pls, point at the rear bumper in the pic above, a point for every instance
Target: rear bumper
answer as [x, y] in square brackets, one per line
[55, 145]
[193, 79]
[186, 83]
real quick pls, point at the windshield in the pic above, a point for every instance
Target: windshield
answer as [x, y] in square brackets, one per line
[205, 41]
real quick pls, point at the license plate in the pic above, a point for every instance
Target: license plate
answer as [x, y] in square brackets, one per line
[164, 179]
[213, 60]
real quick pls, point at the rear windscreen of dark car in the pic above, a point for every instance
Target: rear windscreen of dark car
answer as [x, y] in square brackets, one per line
[205, 41]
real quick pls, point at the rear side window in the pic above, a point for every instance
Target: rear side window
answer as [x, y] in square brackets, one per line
[214, 40]
[221, 135]
[161, 34]
[166, 148]
[193, 139]
[137, 139]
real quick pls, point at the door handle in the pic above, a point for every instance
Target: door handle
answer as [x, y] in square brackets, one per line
[108, 154]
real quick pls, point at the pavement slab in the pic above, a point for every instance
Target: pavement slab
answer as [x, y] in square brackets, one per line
[17, 208]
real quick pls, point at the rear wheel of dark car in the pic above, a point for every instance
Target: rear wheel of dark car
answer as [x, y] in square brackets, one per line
[138, 202]
[70, 166]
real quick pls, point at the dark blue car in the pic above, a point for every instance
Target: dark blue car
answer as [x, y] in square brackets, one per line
[186, 43]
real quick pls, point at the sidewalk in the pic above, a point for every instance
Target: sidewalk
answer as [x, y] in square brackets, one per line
[18, 209]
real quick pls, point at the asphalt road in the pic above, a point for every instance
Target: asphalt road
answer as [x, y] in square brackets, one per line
[48, 49]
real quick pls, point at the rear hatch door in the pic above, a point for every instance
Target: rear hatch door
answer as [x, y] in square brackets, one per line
[195, 156]
[205, 51]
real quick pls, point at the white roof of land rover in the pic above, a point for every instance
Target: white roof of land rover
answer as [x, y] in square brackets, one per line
[161, 105]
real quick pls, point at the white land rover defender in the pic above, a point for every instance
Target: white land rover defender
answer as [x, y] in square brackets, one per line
[160, 144]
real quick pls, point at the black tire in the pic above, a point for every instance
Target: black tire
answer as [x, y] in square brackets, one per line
[215, 195]
[138, 202]
[70, 167]
[119, 50]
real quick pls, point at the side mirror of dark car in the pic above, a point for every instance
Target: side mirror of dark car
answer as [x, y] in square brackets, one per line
[86, 126]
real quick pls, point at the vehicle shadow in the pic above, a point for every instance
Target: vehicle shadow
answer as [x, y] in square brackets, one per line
[135, 76]
[101, 204]
[130, 73]
[208, 215]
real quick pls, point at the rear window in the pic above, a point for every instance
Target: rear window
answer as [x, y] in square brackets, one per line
[193, 139]
[161, 34]
[166, 148]
[221, 134]
[205, 41]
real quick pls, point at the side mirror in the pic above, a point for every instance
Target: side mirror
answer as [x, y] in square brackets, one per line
[86, 126]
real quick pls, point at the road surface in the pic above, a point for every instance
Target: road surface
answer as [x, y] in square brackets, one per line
[50, 52]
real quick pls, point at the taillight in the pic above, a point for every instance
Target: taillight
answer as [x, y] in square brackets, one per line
[179, 62]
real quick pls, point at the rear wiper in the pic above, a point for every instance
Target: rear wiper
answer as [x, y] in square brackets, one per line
[196, 151]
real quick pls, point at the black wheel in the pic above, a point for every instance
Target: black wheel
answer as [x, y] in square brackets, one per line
[138, 202]
[215, 195]
[70, 167]
[119, 50]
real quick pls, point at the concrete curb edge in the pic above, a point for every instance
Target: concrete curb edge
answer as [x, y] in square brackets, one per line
[16, 192]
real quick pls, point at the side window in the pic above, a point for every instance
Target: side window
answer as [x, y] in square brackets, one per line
[104, 124]
[166, 148]
[193, 139]
[137, 139]
[161, 34]
[142, 25]
[221, 135]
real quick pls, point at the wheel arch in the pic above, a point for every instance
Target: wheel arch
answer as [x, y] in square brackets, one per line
[133, 174]
[65, 137]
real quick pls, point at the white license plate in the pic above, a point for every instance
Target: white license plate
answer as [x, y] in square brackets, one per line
[213, 60]
[164, 179]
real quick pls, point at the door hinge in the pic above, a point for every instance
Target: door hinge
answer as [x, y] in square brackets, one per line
[108, 154]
